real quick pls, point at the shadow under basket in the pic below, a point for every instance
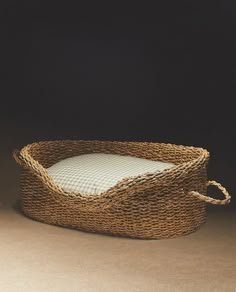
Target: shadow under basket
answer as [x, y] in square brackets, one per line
[154, 205]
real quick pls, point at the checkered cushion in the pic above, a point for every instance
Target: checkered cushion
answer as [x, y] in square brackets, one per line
[92, 174]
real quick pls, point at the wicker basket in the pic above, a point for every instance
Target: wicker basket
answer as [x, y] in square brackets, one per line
[158, 205]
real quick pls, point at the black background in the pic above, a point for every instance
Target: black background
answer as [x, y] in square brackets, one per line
[161, 73]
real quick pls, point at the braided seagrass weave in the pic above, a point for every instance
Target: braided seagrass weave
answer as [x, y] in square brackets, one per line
[157, 205]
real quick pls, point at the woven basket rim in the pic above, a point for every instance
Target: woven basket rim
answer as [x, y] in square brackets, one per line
[143, 181]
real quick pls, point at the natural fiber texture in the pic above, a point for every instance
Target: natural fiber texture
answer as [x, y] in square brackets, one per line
[154, 205]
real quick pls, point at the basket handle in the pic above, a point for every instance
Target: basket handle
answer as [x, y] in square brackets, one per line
[16, 156]
[212, 200]
[25, 160]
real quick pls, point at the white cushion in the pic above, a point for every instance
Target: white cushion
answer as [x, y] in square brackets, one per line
[93, 174]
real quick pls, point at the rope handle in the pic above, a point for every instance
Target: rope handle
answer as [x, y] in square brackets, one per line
[25, 160]
[16, 156]
[212, 200]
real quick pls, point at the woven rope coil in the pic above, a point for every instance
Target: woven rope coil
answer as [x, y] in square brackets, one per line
[154, 205]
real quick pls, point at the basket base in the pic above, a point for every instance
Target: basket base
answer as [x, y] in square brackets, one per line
[132, 235]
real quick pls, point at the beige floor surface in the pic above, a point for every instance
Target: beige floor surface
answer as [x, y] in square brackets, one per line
[39, 257]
